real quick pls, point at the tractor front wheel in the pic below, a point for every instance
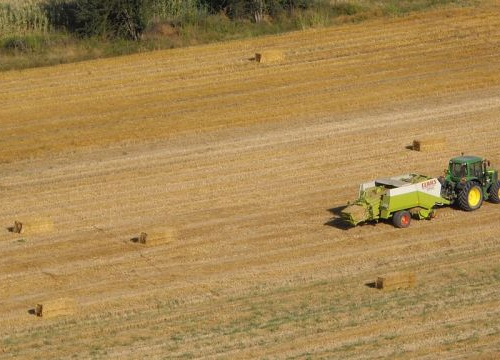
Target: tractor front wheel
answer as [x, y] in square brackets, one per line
[401, 219]
[495, 193]
[471, 197]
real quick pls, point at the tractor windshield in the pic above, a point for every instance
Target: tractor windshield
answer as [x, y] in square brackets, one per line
[458, 170]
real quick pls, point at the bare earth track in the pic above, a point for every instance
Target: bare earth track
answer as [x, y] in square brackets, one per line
[245, 162]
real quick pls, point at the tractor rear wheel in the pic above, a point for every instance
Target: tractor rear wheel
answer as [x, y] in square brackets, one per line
[471, 197]
[495, 193]
[401, 219]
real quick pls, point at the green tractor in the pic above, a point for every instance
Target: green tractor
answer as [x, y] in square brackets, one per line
[468, 181]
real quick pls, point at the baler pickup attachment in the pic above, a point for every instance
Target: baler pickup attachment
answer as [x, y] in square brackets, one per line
[366, 207]
[355, 214]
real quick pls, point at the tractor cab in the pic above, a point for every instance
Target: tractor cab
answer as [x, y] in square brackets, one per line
[467, 168]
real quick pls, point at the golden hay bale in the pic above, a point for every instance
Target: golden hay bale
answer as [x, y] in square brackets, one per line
[429, 144]
[57, 307]
[357, 212]
[395, 281]
[157, 237]
[33, 226]
[269, 56]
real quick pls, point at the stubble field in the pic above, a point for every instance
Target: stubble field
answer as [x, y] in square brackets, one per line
[248, 163]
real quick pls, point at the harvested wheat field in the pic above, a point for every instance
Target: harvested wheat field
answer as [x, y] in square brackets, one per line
[246, 163]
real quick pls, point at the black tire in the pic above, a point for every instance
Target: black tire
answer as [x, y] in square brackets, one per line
[471, 197]
[401, 219]
[495, 193]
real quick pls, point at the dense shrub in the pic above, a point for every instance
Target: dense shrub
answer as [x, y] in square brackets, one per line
[125, 19]
[22, 43]
[256, 9]
[62, 14]
[110, 18]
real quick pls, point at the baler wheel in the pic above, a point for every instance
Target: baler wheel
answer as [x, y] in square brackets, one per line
[401, 219]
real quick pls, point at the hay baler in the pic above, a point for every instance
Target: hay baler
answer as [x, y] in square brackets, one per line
[399, 198]
[468, 181]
